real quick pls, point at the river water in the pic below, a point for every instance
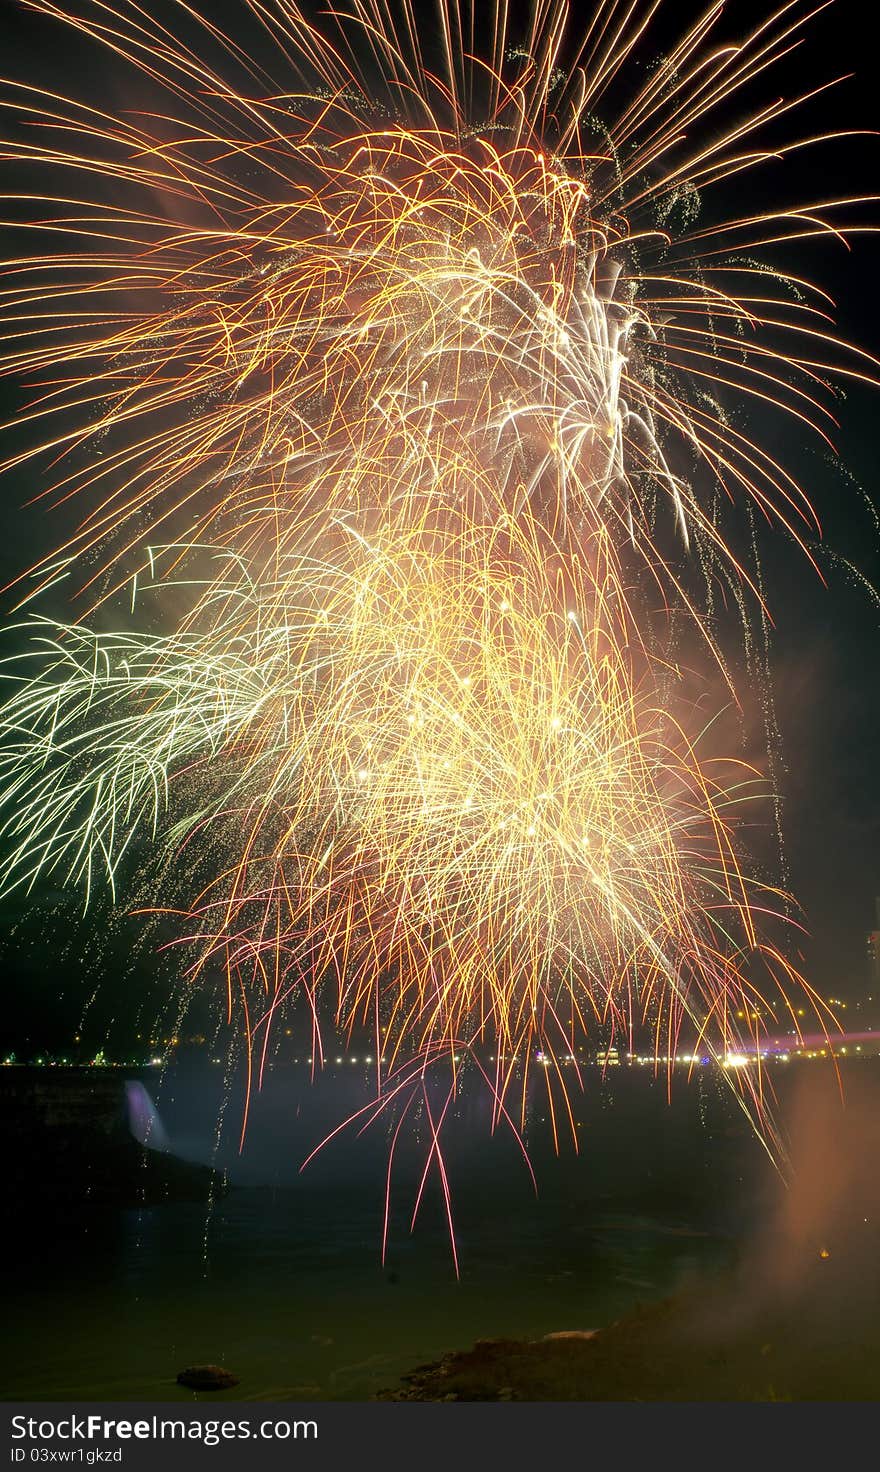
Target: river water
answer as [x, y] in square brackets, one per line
[281, 1280]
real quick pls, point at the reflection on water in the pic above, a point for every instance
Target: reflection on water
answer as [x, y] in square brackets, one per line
[290, 1293]
[282, 1281]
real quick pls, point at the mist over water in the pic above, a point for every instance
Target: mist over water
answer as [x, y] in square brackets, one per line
[143, 1118]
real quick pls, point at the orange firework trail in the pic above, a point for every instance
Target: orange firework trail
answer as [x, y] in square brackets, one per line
[389, 343]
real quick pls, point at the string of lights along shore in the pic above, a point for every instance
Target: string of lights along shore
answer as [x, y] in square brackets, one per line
[395, 364]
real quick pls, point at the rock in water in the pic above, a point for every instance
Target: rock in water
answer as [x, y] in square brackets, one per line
[571, 1334]
[207, 1377]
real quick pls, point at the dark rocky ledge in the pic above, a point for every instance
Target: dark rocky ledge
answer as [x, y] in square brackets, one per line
[65, 1141]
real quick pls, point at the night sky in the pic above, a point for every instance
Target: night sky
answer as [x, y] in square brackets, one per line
[825, 642]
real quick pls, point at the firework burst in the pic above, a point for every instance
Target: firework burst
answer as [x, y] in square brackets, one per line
[405, 364]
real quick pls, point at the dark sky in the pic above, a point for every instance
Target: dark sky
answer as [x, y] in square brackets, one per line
[825, 642]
